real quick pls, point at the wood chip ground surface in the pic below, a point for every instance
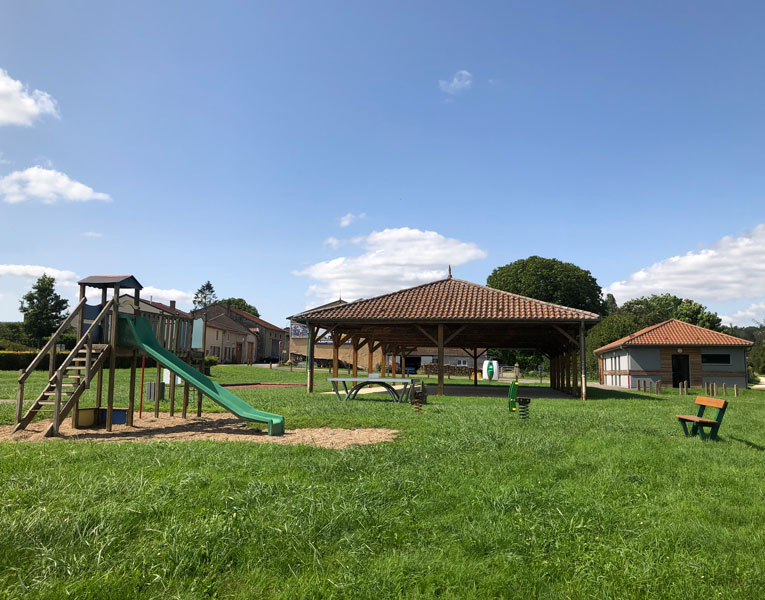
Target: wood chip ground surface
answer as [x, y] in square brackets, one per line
[211, 426]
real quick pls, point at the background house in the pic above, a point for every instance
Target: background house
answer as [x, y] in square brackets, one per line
[672, 352]
[252, 338]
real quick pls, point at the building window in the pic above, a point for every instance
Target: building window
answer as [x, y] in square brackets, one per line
[715, 359]
[462, 362]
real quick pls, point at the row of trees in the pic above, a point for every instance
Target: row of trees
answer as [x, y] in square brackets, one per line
[44, 310]
[564, 283]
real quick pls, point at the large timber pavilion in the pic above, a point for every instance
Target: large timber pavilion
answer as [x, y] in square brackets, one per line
[452, 313]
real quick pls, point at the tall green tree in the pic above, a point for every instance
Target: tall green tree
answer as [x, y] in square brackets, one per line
[43, 309]
[205, 296]
[661, 307]
[242, 304]
[550, 280]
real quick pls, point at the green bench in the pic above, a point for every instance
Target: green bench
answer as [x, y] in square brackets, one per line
[700, 421]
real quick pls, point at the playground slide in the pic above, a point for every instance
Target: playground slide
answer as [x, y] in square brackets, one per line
[141, 336]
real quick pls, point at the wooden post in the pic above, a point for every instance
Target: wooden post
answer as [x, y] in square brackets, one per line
[355, 343]
[567, 370]
[735, 390]
[157, 383]
[172, 394]
[440, 359]
[199, 403]
[113, 357]
[475, 367]
[583, 359]
[393, 363]
[309, 358]
[99, 386]
[20, 399]
[52, 362]
[335, 353]
[81, 323]
[370, 356]
[575, 375]
[725, 389]
[384, 359]
[185, 399]
[131, 396]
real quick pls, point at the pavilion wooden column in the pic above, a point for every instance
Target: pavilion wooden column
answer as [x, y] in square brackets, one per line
[440, 359]
[335, 353]
[574, 369]
[355, 342]
[567, 371]
[370, 356]
[393, 363]
[383, 359]
[475, 367]
[583, 359]
[309, 359]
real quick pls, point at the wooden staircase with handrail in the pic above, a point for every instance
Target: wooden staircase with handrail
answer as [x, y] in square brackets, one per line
[67, 383]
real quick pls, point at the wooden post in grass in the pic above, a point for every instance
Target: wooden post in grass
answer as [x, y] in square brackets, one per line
[383, 359]
[735, 390]
[99, 386]
[583, 358]
[440, 359]
[725, 389]
[131, 392]
[199, 403]
[185, 399]
[567, 371]
[575, 378]
[475, 367]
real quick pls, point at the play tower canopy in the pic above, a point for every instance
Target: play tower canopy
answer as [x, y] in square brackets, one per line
[455, 313]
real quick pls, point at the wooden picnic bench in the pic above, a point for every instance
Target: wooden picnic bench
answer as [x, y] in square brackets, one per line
[700, 421]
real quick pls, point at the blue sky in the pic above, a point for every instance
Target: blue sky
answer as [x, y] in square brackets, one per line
[228, 141]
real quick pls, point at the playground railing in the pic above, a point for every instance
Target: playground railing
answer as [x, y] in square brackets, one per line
[86, 339]
[50, 347]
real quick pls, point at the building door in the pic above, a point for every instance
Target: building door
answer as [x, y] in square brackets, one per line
[681, 369]
[239, 354]
[250, 352]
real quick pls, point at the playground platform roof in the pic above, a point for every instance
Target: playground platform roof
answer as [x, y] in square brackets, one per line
[110, 281]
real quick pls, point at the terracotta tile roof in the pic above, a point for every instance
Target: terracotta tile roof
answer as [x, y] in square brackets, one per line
[675, 333]
[169, 309]
[445, 300]
[255, 319]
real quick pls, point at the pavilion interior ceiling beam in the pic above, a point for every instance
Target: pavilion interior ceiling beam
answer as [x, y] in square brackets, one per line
[427, 335]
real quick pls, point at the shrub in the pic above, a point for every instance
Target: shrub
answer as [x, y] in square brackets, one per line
[211, 361]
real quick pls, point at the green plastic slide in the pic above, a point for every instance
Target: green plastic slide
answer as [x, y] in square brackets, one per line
[139, 335]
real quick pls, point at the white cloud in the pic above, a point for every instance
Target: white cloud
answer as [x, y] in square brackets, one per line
[35, 271]
[92, 234]
[393, 259]
[332, 242]
[19, 106]
[4, 161]
[165, 295]
[47, 185]
[730, 269]
[461, 81]
[349, 218]
[746, 316]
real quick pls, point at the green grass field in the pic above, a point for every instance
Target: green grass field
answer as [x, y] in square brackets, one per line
[604, 499]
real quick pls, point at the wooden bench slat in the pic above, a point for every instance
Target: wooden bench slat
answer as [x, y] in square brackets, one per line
[716, 402]
[696, 419]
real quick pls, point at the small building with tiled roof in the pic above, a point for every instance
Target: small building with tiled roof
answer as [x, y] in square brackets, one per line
[673, 352]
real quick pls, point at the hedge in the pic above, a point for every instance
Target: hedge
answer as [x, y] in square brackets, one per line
[15, 361]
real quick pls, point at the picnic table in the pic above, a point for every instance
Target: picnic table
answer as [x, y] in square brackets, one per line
[359, 382]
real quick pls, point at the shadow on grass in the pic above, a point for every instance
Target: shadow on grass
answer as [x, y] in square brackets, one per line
[752, 445]
[594, 393]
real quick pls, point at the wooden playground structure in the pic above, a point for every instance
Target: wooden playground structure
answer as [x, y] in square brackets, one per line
[96, 351]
